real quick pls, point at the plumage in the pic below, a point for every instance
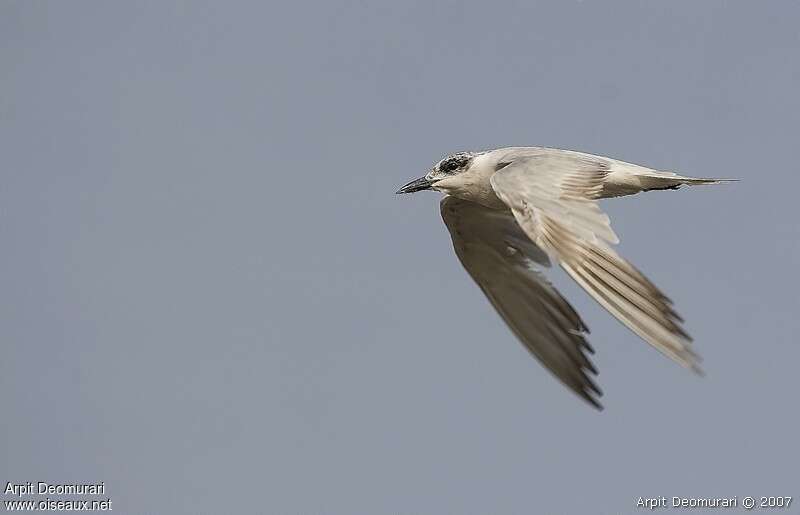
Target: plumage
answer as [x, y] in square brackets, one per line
[512, 211]
[506, 265]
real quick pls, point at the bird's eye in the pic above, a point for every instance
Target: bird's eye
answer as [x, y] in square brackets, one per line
[449, 165]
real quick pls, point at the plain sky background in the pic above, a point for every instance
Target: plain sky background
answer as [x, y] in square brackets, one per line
[212, 300]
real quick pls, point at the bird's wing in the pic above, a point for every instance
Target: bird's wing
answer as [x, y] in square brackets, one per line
[504, 262]
[551, 197]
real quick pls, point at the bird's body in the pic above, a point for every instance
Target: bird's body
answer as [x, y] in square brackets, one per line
[621, 178]
[513, 211]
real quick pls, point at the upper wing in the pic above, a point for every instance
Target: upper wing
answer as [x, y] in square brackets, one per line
[502, 260]
[551, 197]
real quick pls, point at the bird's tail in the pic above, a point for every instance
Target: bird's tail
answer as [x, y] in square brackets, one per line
[628, 179]
[673, 182]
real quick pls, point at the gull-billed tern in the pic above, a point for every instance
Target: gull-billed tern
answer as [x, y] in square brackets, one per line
[513, 211]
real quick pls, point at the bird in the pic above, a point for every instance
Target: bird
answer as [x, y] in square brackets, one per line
[513, 212]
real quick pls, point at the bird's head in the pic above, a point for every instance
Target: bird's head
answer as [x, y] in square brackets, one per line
[448, 167]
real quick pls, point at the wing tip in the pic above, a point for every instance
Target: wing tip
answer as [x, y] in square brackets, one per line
[592, 401]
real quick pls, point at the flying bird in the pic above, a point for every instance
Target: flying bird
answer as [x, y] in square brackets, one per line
[511, 212]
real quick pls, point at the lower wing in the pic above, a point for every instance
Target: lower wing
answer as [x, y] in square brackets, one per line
[506, 265]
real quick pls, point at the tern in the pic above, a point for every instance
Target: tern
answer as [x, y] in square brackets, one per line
[511, 212]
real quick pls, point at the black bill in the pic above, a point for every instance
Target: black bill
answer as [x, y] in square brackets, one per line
[416, 185]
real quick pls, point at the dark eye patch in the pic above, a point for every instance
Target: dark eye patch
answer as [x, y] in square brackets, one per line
[453, 163]
[449, 165]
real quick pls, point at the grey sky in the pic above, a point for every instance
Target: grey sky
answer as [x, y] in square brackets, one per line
[213, 301]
